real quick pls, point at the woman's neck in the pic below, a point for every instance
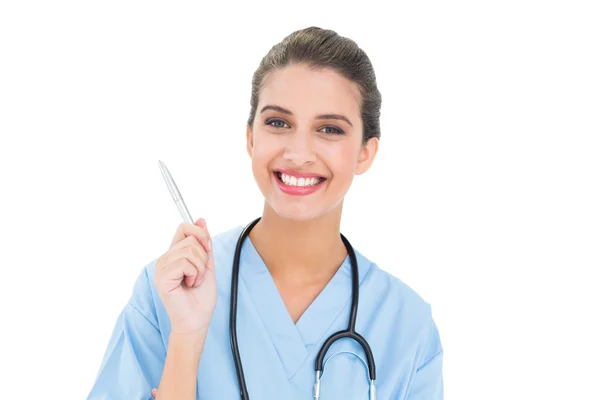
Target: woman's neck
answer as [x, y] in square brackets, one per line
[302, 252]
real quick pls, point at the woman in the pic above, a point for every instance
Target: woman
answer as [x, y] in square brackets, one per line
[313, 125]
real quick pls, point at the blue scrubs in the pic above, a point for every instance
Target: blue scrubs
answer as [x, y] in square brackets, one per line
[277, 355]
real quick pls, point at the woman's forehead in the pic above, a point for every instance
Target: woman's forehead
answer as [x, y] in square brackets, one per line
[309, 92]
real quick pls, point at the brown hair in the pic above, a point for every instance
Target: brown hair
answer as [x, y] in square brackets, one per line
[323, 48]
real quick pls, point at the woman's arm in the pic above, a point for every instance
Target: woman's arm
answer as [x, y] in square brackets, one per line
[134, 358]
[179, 378]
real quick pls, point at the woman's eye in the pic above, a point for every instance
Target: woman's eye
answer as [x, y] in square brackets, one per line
[336, 131]
[277, 123]
[271, 121]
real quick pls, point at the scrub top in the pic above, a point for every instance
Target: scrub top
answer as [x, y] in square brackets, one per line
[277, 355]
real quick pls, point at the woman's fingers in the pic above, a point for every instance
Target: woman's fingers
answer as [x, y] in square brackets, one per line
[187, 250]
[195, 236]
[191, 271]
[154, 392]
[197, 230]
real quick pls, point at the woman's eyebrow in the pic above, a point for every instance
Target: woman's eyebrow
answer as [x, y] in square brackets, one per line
[322, 116]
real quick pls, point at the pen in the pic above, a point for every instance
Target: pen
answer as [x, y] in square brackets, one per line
[175, 193]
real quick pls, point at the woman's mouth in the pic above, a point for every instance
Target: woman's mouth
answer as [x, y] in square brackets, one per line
[295, 185]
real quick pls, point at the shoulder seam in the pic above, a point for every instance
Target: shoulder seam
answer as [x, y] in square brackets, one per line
[150, 285]
[430, 360]
[142, 314]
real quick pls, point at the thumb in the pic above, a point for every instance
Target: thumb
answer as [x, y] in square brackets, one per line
[201, 222]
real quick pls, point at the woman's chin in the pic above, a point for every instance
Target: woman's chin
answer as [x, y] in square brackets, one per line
[294, 212]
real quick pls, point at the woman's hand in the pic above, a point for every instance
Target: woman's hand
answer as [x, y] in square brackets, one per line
[185, 279]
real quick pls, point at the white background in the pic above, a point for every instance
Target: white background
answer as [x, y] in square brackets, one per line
[484, 196]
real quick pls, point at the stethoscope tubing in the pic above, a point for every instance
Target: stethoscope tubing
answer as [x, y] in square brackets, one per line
[350, 332]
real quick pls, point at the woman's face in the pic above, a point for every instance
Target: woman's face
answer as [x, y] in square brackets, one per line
[306, 141]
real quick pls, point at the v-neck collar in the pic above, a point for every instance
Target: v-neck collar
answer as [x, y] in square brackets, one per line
[295, 342]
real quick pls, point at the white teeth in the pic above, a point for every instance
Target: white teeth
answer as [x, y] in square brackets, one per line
[293, 181]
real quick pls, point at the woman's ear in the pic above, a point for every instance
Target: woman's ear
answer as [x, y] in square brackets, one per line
[249, 140]
[367, 155]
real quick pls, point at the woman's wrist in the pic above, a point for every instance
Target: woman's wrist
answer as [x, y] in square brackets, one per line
[188, 341]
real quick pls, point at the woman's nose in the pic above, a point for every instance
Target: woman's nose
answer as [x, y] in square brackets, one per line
[300, 148]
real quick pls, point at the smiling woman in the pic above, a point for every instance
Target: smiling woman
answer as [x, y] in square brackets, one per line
[310, 123]
[313, 126]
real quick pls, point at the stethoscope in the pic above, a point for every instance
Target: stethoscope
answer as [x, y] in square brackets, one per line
[350, 332]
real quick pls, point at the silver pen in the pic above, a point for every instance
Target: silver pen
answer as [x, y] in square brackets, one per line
[175, 193]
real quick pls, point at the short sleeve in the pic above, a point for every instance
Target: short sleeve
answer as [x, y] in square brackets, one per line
[134, 358]
[427, 382]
